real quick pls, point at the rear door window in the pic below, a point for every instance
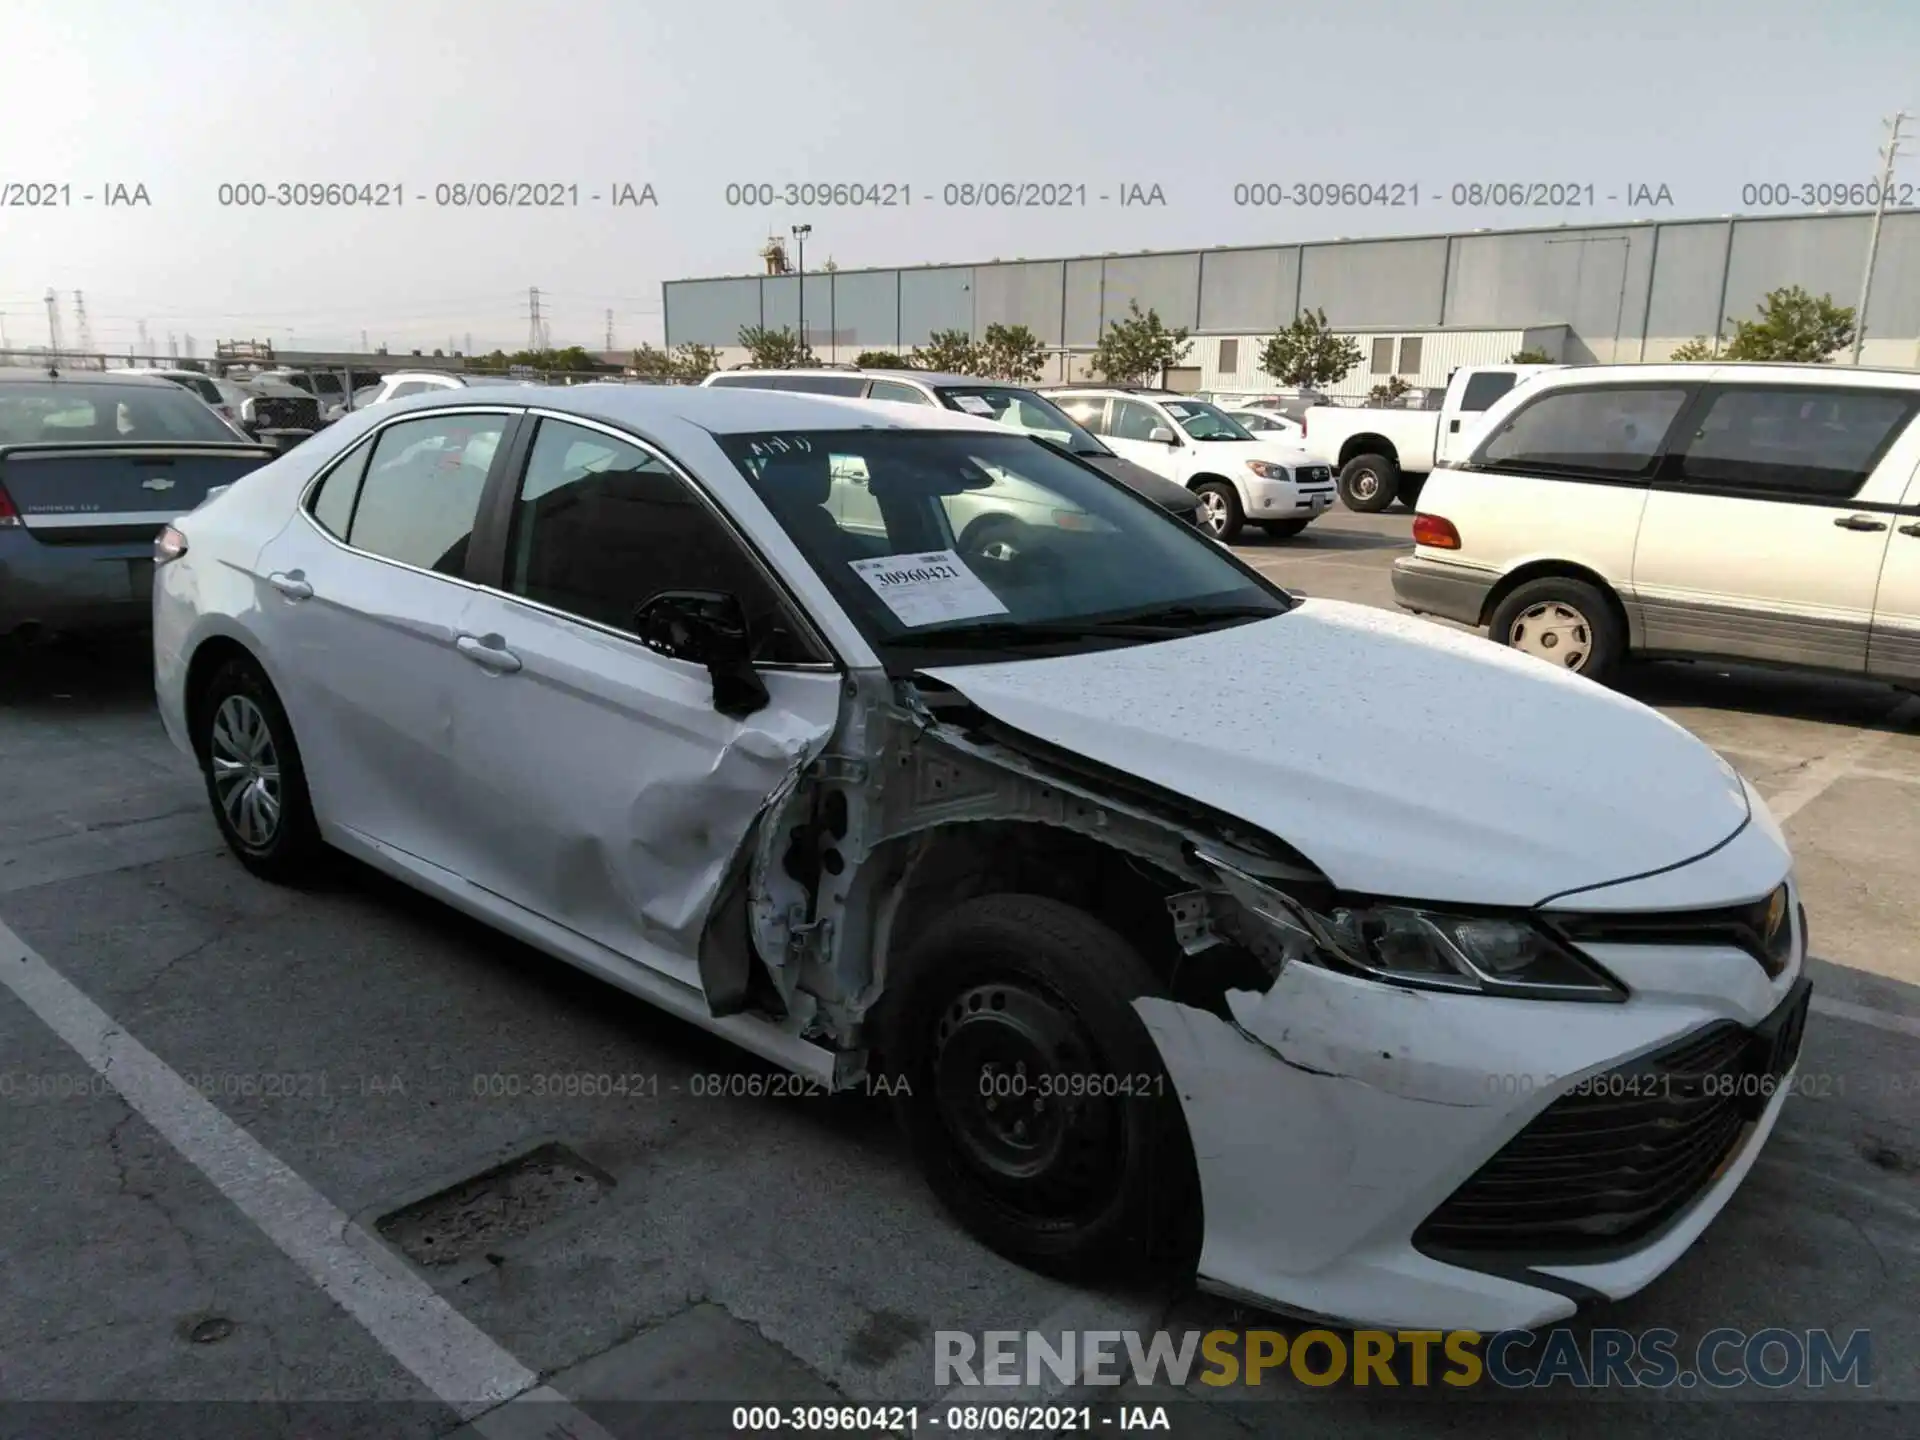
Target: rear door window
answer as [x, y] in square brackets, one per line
[1088, 414]
[1610, 431]
[1809, 442]
[421, 495]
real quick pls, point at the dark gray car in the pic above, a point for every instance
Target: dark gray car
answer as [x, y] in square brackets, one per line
[92, 468]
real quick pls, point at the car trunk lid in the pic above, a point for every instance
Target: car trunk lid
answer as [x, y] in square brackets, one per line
[81, 494]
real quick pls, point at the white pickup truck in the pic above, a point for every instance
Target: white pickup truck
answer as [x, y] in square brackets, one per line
[1383, 454]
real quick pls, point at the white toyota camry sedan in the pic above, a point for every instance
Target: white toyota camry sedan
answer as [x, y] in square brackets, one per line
[1189, 923]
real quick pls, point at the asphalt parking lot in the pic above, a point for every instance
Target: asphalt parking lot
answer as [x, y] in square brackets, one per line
[675, 1237]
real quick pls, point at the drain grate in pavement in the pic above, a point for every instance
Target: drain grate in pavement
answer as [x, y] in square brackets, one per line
[476, 1216]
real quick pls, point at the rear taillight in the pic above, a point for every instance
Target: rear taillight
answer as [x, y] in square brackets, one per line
[169, 544]
[1433, 531]
[9, 517]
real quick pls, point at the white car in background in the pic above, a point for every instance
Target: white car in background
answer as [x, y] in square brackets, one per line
[1241, 478]
[1753, 512]
[1270, 424]
[1075, 849]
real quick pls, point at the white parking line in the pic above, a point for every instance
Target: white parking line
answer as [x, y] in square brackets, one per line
[1864, 1015]
[406, 1316]
[1820, 776]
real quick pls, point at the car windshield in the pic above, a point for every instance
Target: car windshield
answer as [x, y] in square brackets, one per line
[49, 411]
[1025, 410]
[1205, 422]
[950, 546]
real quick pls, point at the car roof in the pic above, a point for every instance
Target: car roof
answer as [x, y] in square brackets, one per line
[84, 377]
[719, 410]
[925, 377]
[1723, 371]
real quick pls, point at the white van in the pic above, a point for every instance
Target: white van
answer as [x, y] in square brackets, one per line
[1753, 512]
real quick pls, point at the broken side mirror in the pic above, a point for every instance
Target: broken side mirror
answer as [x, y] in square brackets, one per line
[706, 627]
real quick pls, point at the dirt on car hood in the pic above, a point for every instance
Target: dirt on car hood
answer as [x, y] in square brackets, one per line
[1404, 759]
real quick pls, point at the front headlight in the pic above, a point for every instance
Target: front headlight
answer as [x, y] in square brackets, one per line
[1424, 948]
[1267, 470]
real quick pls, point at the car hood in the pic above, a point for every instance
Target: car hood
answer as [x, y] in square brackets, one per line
[1401, 758]
[1143, 482]
[1280, 452]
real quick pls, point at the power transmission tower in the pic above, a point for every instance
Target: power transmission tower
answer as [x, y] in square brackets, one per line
[534, 326]
[609, 332]
[364, 347]
[1889, 152]
[53, 325]
[146, 349]
[468, 337]
[189, 347]
[173, 346]
[82, 331]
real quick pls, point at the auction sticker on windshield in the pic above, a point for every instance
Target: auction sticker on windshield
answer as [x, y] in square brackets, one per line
[927, 588]
[974, 405]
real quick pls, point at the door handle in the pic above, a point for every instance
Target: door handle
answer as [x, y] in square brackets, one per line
[489, 652]
[1453, 427]
[291, 584]
[1860, 522]
[1913, 530]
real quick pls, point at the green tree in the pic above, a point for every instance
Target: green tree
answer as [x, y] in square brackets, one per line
[1308, 354]
[1138, 348]
[1698, 348]
[1386, 394]
[773, 349]
[652, 363]
[948, 351]
[692, 363]
[1793, 325]
[1011, 352]
[882, 360]
[1529, 356]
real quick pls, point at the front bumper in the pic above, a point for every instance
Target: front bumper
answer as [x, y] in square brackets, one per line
[1286, 499]
[1434, 587]
[1336, 1122]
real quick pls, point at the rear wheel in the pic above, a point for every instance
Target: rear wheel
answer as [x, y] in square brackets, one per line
[254, 778]
[1369, 483]
[1564, 621]
[1220, 512]
[1035, 1100]
[1283, 529]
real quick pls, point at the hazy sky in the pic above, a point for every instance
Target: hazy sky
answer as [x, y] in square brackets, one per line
[1702, 96]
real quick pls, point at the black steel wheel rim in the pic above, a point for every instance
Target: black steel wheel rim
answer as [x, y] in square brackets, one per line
[1006, 1055]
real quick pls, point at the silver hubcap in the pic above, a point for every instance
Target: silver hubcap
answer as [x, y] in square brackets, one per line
[1366, 485]
[246, 770]
[1554, 631]
[1213, 511]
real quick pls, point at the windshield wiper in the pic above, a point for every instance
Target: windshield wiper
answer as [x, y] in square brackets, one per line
[1147, 625]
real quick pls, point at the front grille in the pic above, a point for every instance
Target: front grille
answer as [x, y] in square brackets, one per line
[286, 412]
[1314, 475]
[1611, 1163]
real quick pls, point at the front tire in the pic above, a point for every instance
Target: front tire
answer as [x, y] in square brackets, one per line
[1220, 512]
[1014, 1032]
[1563, 621]
[1369, 483]
[255, 782]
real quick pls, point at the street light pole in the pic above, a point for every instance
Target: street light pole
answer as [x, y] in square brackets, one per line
[800, 233]
[1888, 153]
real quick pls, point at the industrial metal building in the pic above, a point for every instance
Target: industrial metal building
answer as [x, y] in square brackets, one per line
[1419, 305]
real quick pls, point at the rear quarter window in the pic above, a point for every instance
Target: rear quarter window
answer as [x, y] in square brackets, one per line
[1610, 431]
